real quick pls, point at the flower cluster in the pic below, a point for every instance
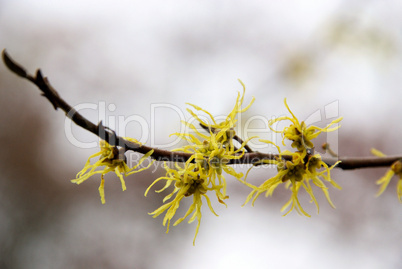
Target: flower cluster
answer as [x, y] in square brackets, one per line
[111, 160]
[188, 181]
[396, 169]
[212, 150]
[300, 168]
[203, 172]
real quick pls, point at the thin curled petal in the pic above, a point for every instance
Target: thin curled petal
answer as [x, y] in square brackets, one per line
[102, 190]
[384, 181]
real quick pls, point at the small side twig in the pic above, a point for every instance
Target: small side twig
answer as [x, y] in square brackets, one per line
[236, 137]
[328, 149]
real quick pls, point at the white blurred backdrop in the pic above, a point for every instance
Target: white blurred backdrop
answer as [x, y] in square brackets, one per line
[132, 54]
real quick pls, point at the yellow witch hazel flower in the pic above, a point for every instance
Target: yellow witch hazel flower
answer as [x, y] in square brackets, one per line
[296, 173]
[299, 133]
[396, 169]
[111, 161]
[299, 168]
[212, 156]
[230, 120]
[188, 181]
[203, 171]
[213, 151]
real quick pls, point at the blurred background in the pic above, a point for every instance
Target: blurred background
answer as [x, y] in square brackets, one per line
[129, 55]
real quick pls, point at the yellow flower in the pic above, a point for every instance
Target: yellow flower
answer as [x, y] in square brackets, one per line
[203, 171]
[111, 161]
[301, 169]
[188, 181]
[212, 156]
[299, 133]
[396, 169]
[213, 151]
[230, 120]
[296, 173]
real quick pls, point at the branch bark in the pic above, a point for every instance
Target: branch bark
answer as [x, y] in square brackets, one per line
[250, 157]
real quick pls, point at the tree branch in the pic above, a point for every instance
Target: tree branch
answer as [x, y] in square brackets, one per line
[251, 157]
